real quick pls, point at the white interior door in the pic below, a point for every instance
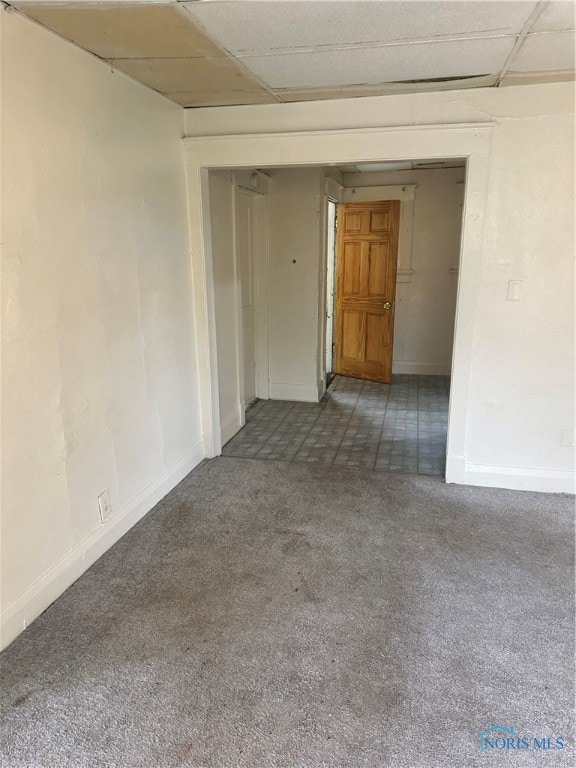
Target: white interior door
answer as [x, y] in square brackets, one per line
[245, 265]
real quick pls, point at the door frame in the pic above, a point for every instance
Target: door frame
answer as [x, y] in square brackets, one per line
[406, 194]
[338, 346]
[256, 184]
[332, 192]
[471, 141]
[328, 266]
[259, 199]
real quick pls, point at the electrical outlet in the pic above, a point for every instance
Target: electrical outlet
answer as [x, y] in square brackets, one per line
[104, 505]
[514, 292]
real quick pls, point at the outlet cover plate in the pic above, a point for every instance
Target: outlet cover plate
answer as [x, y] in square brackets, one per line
[104, 506]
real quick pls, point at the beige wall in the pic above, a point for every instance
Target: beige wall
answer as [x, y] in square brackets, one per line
[295, 242]
[426, 305]
[99, 388]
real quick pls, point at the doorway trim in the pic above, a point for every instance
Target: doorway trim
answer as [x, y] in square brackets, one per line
[256, 184]
[471, 141]
[258, 192]
[328, 292]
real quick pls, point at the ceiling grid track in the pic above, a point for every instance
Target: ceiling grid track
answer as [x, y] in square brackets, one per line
[530, 22]
[224, 50]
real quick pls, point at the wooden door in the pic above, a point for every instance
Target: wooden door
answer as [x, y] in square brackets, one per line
[245, 266]
[366, 288]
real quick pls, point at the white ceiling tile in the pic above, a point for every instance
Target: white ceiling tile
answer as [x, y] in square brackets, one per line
[378, 65]
[246, 27]
[545, 52]
[557, 15]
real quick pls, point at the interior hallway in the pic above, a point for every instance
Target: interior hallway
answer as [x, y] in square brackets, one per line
[362, 424]
[271, 615]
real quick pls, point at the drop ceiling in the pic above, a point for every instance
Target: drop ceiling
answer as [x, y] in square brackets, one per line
[226, 52]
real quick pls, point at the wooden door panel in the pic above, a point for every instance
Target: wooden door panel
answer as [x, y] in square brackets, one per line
[379, 270]
[352, 335]
[379, 221]
[375, 335]
[353, 222]
[365, 289]
[351, 268]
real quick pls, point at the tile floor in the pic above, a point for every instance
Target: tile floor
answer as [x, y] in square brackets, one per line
[398, 427]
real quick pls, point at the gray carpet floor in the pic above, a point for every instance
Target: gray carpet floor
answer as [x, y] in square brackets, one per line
[283, 615]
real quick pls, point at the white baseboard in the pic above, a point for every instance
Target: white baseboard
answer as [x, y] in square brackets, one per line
[521, 478]
[456, 469]
[297, 392]
[230, 426]
[514, 478]
[423, 369]
[56, 580]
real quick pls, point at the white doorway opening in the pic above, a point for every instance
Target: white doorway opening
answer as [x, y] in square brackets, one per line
[324, 148]
[423, 296]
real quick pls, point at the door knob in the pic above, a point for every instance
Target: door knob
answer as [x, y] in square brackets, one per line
[387, 305]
